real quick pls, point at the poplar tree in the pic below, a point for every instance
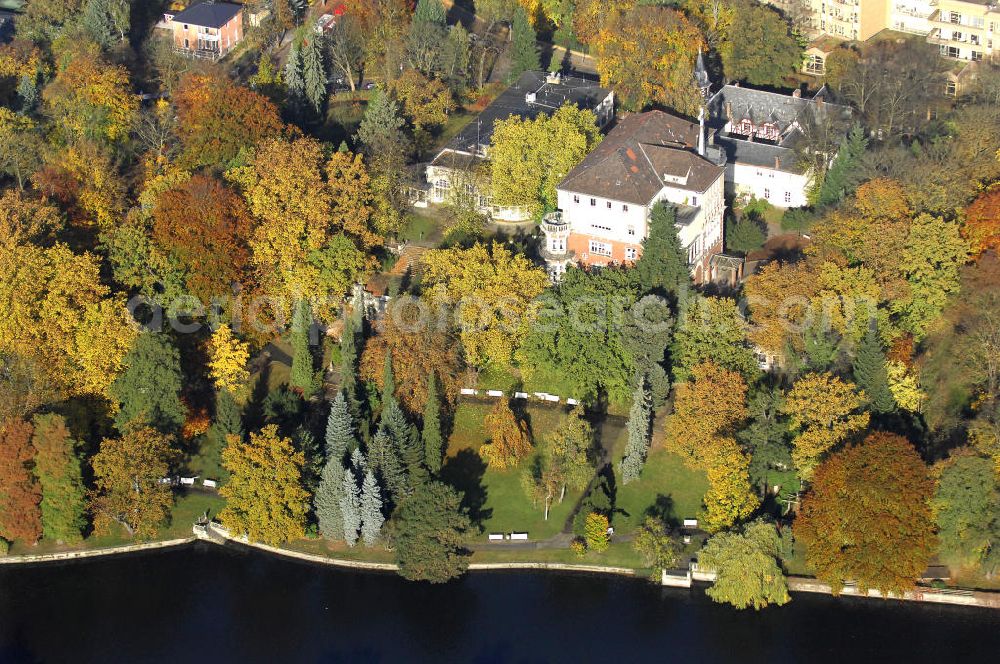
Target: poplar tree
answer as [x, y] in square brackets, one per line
[523, 47]
[638, 435]
[870, 373]
[57, 467]
[314, 75]
[431, 434]
[302, 357]
[350, 507]
[371, 510]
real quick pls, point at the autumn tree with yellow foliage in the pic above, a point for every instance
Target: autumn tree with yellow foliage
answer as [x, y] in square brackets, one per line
[228, 358]
[708, 408]
[127, 488]
[824, 411]
[492, 288]
[265, 499]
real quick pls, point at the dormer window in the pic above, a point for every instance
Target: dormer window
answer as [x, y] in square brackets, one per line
[744, 128]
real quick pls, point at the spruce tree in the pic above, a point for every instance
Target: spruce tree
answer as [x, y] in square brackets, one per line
[358, 462]
[371, 510]
[842, 176]
[663, 265]
[339, 438]
[302, 376]
[523, 47]
[228, 415]
[638, 435]
[106, 21]
[381, 128]
[27, 91]
[295, 82]
[431, 434]
[383, 458]
[328, 500]
[870, 372]
[313, 75]
[350, 507]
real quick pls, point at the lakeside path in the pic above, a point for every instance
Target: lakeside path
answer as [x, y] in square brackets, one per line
[214, 534]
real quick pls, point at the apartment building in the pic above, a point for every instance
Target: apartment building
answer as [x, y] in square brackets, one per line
[207, 30]
[965, 29]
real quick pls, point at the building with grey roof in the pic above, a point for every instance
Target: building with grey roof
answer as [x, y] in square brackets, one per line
[763, 135]
[457, 170]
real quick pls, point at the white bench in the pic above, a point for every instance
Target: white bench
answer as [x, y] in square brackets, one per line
[165, 480]
[494, 393]
[211, 484]
[519, 536]
[572, 402]
[188, 481]
[551, 397]
[541, 395]
[468, 391]
[520, 395]
[690, 523]
[496, 537]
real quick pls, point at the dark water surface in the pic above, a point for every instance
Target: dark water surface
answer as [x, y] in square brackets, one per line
[209, 604]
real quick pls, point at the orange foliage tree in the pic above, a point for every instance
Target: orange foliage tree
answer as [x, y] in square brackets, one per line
[867, 518]
[982, 222]
[416, 352]
[205, 226]
[509, 439]
[20, 493]
[646, 53]
[217, 118]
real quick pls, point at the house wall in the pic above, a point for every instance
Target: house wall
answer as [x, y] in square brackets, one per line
[621, 228]
[227, 36]
[780, 188]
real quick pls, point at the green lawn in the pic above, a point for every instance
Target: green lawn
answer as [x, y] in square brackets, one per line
[422, 227]
[496, 498]
[666, 487]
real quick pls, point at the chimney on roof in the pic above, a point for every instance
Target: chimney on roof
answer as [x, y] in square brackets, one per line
[797, 93]
[554, 78]
[729, 111]
[701, 131]
[777, 163]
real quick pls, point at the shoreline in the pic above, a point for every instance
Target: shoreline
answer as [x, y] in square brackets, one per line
[796, 584]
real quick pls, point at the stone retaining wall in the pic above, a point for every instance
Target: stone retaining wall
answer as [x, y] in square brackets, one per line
[93, 553]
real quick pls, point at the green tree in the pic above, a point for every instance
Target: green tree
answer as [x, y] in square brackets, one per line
[639, 421]
[766, 439]
[430, 527]
[659, 550]
[384, 459]
[870, 372]
[746, 567]
[381, 128]
[295, 82]
[265, 498]
[148, 390]
[663, 264]
[313, 75]
[569, 452]
[371, 510]
[744, 235]
[759, 47]
[57, 467]
[303, 375]
[228, 417]
[523, 46]
[350, 506]
[107, 21]
[430, 11]
[843, 174]
[712, 328]
[967, 512]
[431, 436]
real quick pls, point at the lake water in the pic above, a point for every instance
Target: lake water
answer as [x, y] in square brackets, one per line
[205, 603]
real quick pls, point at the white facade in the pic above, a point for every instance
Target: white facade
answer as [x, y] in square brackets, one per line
[780, 188]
